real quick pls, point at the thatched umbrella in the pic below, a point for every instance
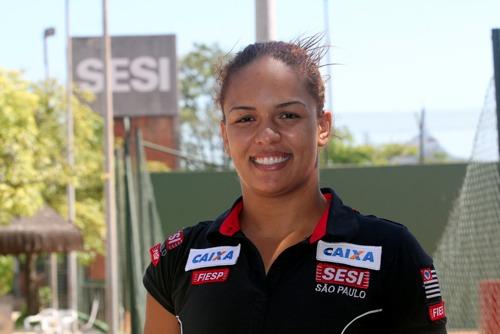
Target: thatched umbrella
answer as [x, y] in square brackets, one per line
[45, 232]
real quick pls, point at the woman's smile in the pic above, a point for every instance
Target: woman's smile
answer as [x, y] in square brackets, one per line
[271, 161]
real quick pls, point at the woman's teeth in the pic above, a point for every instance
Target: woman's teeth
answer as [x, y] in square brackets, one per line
[270, 160]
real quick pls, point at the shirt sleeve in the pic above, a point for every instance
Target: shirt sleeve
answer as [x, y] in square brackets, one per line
[415, 305]
[159, 276]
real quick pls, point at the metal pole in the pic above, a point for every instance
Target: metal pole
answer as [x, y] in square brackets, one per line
[495, 35]
[326, 13]
[422, 137]
[54, 286]
[45, 56]
[47, 33]
[72, 266]
[265, 27]
[328, 55]
[111, 243]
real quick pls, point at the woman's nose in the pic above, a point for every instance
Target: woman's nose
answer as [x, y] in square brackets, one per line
[267, 135]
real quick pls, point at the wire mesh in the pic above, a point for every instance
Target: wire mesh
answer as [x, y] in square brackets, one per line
[468, 255]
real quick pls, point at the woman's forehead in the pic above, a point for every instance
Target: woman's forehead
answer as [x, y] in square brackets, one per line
[265, 76]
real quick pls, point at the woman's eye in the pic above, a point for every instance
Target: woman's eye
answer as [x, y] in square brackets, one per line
[289, 115]
[244, 119]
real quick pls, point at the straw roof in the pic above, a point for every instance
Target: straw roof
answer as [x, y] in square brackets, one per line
[45, 232]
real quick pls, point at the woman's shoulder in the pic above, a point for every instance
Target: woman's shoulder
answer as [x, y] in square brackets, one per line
[187, 235]
[396, 238]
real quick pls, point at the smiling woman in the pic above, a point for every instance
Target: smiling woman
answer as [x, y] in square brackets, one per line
[287, 257]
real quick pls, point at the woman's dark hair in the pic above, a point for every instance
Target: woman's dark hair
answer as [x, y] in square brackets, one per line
[303, 55]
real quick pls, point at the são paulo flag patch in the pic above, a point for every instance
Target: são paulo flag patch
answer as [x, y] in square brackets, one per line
[431, 283]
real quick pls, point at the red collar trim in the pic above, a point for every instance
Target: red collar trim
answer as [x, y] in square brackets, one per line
[231, 223]
[320, 229]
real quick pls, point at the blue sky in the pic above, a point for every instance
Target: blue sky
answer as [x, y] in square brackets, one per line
[394, 55]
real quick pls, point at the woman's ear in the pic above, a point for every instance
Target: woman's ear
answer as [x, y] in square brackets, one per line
[324, 128]
[223, 133]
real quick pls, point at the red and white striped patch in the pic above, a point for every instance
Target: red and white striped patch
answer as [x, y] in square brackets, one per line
[431, 283]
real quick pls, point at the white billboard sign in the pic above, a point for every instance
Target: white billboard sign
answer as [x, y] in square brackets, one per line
[144, 73]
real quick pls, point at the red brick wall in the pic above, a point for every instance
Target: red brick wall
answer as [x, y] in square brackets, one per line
[97, 269]
[161, 130]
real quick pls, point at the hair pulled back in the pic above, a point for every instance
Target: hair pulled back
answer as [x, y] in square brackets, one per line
[302, 55]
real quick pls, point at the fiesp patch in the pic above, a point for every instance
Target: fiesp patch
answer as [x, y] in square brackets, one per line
[154, 252]
[175, 240]
[209, 276]
[436, 311]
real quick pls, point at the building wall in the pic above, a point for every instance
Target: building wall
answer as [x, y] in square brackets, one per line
[161, 130]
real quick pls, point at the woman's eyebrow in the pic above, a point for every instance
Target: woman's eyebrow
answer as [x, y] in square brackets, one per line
[241, 108]
[286, 104]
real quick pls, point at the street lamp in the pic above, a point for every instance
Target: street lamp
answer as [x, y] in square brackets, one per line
[53, 257]
[47, 33]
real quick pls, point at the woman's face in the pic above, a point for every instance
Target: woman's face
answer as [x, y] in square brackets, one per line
[272, 128]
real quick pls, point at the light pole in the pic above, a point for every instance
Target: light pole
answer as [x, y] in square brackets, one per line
[265, 20]
[328, 66]
[111, 241]
[46, 34]
[53, 257]
[70, 190]
[328, 55]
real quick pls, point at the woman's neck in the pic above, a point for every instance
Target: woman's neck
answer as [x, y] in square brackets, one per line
[294, 213]
[274, 224]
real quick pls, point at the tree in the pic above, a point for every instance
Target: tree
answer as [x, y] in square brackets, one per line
[200, 117]
[342, 150]
[33, 168]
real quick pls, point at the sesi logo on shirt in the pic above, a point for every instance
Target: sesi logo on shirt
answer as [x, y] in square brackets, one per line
[351, 254]
[212, 257]
[334, 274]
[175, 240]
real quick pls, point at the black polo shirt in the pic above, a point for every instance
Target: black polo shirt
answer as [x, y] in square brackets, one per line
[354, 274]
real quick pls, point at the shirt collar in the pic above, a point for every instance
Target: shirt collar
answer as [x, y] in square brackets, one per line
[338, 222]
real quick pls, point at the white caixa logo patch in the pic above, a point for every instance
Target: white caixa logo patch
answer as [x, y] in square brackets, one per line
[351, 254]
[212, 257]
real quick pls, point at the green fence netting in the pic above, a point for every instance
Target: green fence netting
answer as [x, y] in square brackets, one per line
[139, 225]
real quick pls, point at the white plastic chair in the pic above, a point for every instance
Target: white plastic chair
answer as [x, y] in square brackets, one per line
[67, 320]
[52, 321]
[46, 321]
